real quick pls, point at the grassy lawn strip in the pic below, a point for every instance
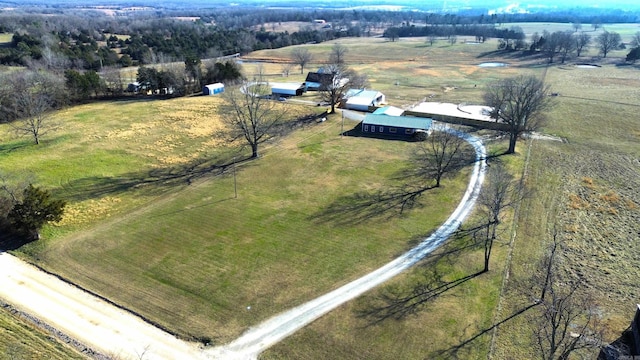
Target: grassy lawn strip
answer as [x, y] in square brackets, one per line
[436, 310]
[21, 340]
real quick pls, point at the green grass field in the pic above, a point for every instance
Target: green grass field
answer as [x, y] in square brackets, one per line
[198, 255]
[194, 257]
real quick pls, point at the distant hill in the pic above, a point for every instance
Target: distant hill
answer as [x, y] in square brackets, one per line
[450, 6]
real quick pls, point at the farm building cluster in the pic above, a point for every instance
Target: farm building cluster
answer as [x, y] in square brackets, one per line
[380, 120]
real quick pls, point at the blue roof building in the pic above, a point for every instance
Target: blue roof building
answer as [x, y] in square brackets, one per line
[395, 126]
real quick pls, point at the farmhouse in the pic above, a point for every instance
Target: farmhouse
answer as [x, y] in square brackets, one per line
[318, 81]
[213, 89]
[362, 100]
[395, 126]
[287, 89]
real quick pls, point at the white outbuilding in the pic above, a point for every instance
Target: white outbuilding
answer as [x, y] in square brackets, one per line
[363, 100]
[213, 89]
[287, 89]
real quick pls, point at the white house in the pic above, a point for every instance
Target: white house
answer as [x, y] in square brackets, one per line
[361, 99]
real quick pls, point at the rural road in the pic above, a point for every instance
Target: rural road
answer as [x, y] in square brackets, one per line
[91, 321]
[117, 333]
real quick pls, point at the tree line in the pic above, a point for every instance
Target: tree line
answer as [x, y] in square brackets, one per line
[64, 39]
[555, 45]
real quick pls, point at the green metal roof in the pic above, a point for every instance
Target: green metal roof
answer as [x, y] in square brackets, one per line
[407, 122]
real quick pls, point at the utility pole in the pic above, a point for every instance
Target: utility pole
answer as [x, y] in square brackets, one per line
[235, 183]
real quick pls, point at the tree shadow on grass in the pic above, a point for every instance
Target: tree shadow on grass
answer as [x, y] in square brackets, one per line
[456, 351]
[10, 240]
[152, 182]
[13, 146]
[399, 302]
[156, 181]
[364, 206]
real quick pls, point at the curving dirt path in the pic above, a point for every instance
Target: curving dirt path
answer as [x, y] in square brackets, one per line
[116, 333]
[262, 336]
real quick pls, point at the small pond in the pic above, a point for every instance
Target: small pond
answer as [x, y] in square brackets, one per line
[492, 64]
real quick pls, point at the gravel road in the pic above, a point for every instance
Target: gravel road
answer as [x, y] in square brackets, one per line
[91, 321]
[114, 332]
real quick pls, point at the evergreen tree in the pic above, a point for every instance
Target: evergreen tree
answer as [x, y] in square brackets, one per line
[36, 209]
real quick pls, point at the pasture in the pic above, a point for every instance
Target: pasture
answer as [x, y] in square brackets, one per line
[199, 255]
[592, 113]
[154, 226]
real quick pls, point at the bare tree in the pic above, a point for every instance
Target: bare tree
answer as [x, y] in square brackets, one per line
[566, 321]
[500, 192]
[576, 25]
[335, 82]
[250, 114]
[558, 43]
[286, 69]
[432, 39]
[32, 112]
[582, 41]
[337, 78]
[301, 57]
[551, 45]
[608, 41]
[535, 41]
[392, 33]
[520, 102]
[439, 154]
[567, 45]
[338, 54]
[112, 77]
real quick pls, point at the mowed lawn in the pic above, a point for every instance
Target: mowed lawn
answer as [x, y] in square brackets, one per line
[153, 224]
